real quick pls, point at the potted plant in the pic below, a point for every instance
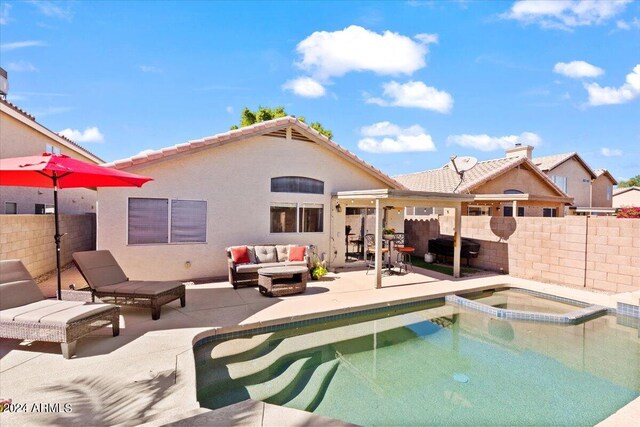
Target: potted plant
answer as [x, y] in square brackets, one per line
[318, 268]
[388, 233]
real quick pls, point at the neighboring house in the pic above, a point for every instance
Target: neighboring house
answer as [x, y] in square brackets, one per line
[602, 189]
[626, 197]
[501, 187]
[21, 135]
[591, 189]
[272, 182]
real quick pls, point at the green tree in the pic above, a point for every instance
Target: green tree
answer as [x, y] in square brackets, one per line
[262, 114]
[631, 182]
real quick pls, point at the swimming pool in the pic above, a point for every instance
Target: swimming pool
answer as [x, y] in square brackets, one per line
[436, 365]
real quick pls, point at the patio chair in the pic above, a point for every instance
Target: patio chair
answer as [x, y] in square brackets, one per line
[26, 314]
[106, 279]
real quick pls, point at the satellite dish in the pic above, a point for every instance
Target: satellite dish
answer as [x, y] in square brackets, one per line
[461, 165]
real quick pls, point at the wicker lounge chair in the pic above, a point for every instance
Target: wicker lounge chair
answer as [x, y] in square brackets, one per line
[106, 279]
[26, 314]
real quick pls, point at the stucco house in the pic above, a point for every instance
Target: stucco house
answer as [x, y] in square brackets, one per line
[508, 186]
[21, 135]
[626, 197]
[275, 182]
[591, 189]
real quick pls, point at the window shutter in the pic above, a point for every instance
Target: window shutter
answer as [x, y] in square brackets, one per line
[148, 221]
[188, 221]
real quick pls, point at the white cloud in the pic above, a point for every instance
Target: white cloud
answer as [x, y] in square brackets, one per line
[627, 25]
[490, 143]
[332, 54]
[21, 66]
[413, 94]
[599, 95]
[150, 69]
[91, 134]
[4, 14]
[305, 86]
[20, 45]
[229, 109]
[565, 14]
[427, 38]
[577, 69]
[610, 152]
[53, 10]
[386, 137]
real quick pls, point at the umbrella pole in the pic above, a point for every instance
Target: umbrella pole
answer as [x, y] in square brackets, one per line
[57, 235]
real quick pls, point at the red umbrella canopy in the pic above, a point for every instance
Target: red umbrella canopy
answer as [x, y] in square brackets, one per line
[38, 171]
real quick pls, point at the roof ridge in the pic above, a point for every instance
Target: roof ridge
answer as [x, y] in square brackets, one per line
[18, 109]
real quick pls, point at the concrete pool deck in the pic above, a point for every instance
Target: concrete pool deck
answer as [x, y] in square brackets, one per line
[147, 374]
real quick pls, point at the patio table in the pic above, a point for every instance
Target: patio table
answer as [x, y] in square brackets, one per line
[279, 281]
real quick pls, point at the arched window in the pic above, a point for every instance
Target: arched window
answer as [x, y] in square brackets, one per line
[513, 191]
[296, 184]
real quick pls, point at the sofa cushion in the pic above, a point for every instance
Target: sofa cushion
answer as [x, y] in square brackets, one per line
[16, 285]
[296, 253]
[283, 252]
[253, 268]
[99, 268]
[240, 255]
[295, 263]
[250, 249]
[145, 288]
[266, 254]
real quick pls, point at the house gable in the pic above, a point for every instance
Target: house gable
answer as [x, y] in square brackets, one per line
[522, 177]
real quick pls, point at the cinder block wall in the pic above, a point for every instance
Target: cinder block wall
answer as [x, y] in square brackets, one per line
[417, 233]
[30, 239]
[600, 253]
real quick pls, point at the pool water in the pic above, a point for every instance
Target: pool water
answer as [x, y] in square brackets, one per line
[512, 299]
[440, 365]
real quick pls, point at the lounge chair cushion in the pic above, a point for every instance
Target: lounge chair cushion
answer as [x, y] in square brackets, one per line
[295, 263]
[16, 285]
[99, 268]
[266, 254]
[140, 287]
[53, 312]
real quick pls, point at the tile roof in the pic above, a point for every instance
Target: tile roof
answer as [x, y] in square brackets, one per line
[549, 162]
[261, 128]
[621, 190]
[446, 179]
[17, 109]
[600, 172]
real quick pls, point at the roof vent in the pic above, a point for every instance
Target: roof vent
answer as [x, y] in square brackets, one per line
[4, 83]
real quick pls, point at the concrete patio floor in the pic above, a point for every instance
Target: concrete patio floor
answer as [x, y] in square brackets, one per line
[147, 374]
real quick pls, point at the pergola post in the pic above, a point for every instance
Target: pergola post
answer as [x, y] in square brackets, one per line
[457, 240]
[515, 208]
[378, 238]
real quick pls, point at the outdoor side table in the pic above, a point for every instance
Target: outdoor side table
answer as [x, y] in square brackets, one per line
[279, 281]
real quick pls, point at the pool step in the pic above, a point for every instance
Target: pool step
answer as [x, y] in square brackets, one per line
[269, 389]
[313, 392]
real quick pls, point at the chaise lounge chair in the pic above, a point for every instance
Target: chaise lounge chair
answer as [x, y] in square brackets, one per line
[26, 314]
[106, 279]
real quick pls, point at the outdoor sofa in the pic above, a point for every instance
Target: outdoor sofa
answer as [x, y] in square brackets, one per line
[106, 279]
[244, 270]
[26, 314]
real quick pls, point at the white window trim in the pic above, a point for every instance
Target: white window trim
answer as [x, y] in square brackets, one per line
[169, 242]
[481, 207]
[298, 207]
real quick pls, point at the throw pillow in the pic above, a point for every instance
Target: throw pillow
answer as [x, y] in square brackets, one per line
[296, 253]
[240, 255]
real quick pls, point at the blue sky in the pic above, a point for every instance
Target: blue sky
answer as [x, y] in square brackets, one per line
[404, 85]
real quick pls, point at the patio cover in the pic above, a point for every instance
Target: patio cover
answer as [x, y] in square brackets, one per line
[404, 198]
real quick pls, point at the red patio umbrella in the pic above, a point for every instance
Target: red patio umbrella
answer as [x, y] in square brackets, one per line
[60, 171]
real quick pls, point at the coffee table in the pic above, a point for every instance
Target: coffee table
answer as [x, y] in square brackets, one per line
[279, 281]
